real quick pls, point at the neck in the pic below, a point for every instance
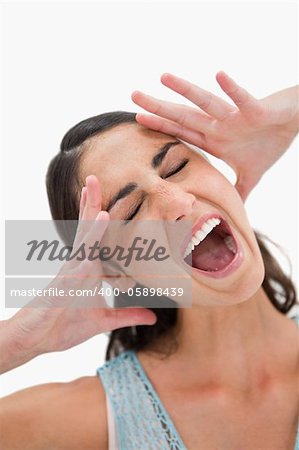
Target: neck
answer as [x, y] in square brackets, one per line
[247, 338]
[223, 331]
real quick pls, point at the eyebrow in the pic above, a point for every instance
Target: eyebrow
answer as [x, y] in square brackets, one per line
[158, 158]
[155, 163]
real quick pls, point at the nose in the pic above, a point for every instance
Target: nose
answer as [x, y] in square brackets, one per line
[172, 202]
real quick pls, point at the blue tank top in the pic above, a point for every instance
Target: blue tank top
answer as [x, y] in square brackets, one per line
[141, 420]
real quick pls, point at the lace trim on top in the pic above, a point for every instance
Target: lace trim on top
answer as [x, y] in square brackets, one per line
[141, 419]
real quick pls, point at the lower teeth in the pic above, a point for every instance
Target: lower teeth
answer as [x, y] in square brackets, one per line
[230, 243]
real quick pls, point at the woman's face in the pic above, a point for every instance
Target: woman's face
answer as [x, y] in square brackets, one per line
[182, 186]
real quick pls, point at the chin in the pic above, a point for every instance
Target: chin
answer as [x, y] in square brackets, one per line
[238, 288]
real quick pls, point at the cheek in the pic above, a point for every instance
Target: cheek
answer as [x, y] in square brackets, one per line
[230, 292]
[241, 287]
[208, 182]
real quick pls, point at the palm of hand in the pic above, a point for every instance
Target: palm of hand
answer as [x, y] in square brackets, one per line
[240, 140]
[250, 137]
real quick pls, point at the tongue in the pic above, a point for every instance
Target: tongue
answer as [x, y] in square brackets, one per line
[212, 253]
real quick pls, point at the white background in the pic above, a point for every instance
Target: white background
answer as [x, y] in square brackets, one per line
[64, 62]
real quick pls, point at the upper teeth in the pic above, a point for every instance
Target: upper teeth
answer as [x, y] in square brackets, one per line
[200, 235]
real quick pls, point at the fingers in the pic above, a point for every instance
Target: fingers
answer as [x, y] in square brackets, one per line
[173, 129]
[85, 266]
[99, 226]
[92, 231]
[99, 218]
[82, 201]
[126, 317]
[93, 199]
[242, 99]
[208, 102]
[184, 115]
[90, 210]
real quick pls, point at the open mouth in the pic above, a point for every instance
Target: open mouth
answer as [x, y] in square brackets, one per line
[213, 247]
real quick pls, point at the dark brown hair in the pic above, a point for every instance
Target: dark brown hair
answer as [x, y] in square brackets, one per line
[63, 188]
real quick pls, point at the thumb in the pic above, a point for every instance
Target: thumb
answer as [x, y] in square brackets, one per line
[245, 184]
[242, 190]
[130, 316]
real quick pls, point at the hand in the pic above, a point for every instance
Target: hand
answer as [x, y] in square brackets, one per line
[53, 324]
[250, 136]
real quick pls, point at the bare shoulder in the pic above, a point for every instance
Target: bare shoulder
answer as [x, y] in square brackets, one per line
[55, 416]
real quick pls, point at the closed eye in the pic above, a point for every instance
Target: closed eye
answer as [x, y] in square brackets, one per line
[134, 213]
[173, 172]
[180, 167]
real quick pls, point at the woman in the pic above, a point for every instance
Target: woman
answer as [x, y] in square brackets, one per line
[220, 375]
